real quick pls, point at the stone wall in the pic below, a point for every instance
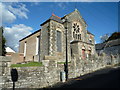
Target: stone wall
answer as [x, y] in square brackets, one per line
[49, 73]
[44, 41]
[112, 50]
[4, 69]
[35, 77]
[54, 27]
[16, 57]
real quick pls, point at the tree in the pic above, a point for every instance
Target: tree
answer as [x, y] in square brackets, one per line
[3, 42]
[104, 38]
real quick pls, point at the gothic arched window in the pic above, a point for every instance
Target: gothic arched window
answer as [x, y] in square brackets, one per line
[76, 31]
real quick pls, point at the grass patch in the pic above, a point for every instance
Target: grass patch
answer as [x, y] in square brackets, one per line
[60, 62]
[30, 64]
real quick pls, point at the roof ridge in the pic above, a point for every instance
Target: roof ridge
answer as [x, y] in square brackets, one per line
[56, 16]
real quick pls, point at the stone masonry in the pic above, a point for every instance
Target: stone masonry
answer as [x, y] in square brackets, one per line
[52, 39]
[49, 73]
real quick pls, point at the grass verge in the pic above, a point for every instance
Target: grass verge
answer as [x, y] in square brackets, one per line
[30, 64]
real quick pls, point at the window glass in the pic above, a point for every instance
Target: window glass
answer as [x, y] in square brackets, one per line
[58, 41]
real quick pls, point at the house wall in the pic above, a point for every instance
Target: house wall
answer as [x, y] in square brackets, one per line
[16, 57]
[30, 47]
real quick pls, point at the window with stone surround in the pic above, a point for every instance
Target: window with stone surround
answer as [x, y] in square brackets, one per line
[59, 47]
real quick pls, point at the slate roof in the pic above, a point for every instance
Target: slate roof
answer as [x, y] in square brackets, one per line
[107, 44]
[53, 17]
[99, 46]
[56, 18]
[89, 32]
[113, 43]
[30, 35]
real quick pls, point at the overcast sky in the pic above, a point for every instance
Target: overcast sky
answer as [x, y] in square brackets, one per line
[23, 18]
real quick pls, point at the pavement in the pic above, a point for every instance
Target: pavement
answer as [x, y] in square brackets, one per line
[104, 78]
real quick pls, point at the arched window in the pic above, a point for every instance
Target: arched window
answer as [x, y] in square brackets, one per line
[59, 45]
[76, 31]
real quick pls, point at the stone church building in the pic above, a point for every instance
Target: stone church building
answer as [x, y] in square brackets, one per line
[49, 43]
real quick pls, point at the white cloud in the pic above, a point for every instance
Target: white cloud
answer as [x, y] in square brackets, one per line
[20, 11]
[11, 11]
[15, 33]
[6, 15]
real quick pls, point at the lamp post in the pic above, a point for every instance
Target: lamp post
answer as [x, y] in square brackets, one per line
[66, 63]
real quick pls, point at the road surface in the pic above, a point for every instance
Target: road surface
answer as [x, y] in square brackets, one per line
[105, 78]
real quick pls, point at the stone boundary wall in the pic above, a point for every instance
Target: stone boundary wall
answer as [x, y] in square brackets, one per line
[4, 69]
[49, 73]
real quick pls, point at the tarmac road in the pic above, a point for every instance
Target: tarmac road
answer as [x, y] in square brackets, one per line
[105, 78]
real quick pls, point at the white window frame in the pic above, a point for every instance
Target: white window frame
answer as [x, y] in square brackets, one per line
[37, 45]
[25, 44]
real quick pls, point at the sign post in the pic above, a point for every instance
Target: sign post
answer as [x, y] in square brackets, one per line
[14, 76]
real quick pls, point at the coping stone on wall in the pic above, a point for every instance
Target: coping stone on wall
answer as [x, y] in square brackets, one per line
[45, 62]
